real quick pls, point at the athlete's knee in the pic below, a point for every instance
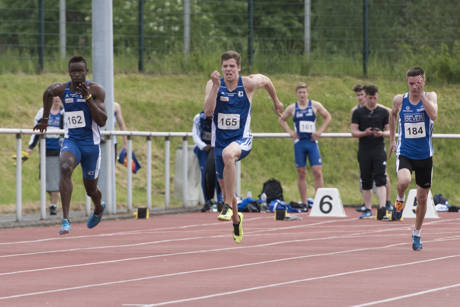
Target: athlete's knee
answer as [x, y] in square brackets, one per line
[229, 157]
[404, 176]
[317, 172]
[66, 168]
[301, 173]
[422, 199]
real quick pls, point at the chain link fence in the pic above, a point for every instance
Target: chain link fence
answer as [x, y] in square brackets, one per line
[286, 36]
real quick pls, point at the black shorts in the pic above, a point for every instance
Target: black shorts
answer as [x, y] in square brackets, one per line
[423, 169]
[372, 166]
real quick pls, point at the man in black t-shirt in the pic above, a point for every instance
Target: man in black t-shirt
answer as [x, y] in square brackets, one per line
[371, 124]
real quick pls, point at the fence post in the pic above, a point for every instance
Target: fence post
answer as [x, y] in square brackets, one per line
[141, 35]
[185, 169]
[108, 172]
[42, 176]
[149, 172]
[251, 32]
[167, 163]
[307, 30]
[186, 27]
[41, 34]
[130, 174]
[62, 29]
[365, 35]
[18, 177]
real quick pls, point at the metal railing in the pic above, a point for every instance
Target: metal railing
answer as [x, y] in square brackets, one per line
[109, 163]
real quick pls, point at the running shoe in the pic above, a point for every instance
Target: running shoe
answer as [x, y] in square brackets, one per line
[238, 229]
[416, 243]
[206, 206]
[65, 228]
[399, 206]
[94, 219]
[388, 206]
[226, 213]
[53, 209]
[366, 214]
[362, 208]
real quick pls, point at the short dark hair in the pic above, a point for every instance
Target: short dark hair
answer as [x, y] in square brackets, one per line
[415, 71]
[231, 54]
[301, 85]
[371, 90]
[77, 59]
[358, 88]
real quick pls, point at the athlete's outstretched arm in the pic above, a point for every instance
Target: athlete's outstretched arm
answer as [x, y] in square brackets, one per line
[397, 103]
[256, 81]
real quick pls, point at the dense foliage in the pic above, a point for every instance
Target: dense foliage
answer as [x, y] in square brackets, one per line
[400, 32]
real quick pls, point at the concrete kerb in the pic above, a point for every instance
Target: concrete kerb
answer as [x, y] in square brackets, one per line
[32, 220]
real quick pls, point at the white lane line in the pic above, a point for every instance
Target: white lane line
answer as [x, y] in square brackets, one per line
[201, 251]
[120, 233]
[172, 228]
[396, 298]
[239, 266]
[352, 235]
[142, 243]
[295, 281]
[159, 230]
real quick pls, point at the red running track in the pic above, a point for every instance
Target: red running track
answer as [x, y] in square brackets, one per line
[191, 260]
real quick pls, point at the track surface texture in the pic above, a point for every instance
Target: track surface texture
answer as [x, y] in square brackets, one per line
[191, 259]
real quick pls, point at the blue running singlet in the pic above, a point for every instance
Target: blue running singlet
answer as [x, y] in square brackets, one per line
[304, 121]
[415, 131]
[232, 115]
[78, 123]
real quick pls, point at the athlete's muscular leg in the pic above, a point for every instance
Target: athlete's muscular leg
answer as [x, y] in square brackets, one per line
[318, 175]
[94, 193]
[404, 178]
[422, 197]
[230, 154]
[67, 163]
[302, 184]
[222, 188]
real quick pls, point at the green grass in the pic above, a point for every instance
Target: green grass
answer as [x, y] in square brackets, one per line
[169, 102]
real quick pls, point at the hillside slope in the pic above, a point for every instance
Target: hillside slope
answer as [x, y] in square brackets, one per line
[168, 103]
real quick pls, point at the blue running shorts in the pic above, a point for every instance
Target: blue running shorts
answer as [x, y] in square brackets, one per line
[302, 149]
[245, 145]
[88, 155]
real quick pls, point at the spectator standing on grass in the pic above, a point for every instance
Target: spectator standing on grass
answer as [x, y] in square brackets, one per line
[84, 114]
[228, 100]
[305, 137]
[417, 111]
[360, 96]
[202, 133]
[370, 124]
[53, 147]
